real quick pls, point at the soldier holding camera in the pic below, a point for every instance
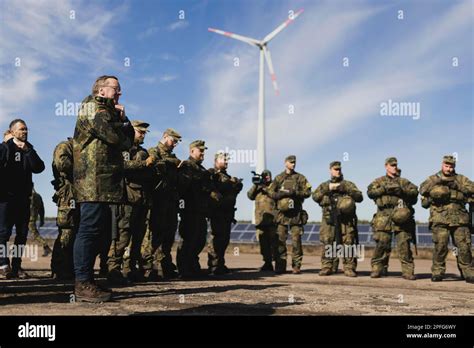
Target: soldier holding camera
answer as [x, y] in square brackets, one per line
[337, 199]
[265, 213]
[394, 197]
[446, 194]
[290, 189]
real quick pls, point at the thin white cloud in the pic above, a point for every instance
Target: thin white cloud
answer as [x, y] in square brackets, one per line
[180, 24]
[168, 78]
[148, 32]
[50, 37]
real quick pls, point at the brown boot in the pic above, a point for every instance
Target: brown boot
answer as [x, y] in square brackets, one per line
[350, 273]
[296, 270]
[89, 292]
[409, 276]
[325, 272]
[375, 274]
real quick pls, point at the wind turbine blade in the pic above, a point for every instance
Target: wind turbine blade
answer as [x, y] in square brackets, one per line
[245, 39]
[282, 26]
[268, 58]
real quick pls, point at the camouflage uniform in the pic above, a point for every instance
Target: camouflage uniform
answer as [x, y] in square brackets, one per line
[164, 211]
[100, 137]
[265, 213]
[222, 216]
[295, 189]
[67, 216]
[327, 233]
[448, 216]
[37, 209]
[388, 194]
[132, 215]
[195, 187]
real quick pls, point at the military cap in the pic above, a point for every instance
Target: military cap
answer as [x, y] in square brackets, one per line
[172, 133]
[391, 160]
[290, 158]
[448, 159]
[140, 125]
[221, 154]
[335, 164]
[201, 144]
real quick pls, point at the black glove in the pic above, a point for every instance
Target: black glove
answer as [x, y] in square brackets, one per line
[341, 188]
[394, 190]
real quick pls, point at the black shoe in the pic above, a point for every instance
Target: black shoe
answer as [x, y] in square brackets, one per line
[267, 266]
[219, 271]
[46, 251]
[116, 278]
[170, 274]
[19, 274]
[470, 280]
[436, 278]
[152, 275]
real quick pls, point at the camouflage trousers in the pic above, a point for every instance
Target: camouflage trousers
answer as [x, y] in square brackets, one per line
[146, 251]
[383, 240]
[461, 239]
[297, 248]
[62, 264]
[131, 229]
[163, 225]
[327, 237]
[35, 235]
[193, 232]
[268, 240]
[219, 241]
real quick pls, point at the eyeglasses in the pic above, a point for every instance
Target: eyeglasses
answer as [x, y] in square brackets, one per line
[117, 89]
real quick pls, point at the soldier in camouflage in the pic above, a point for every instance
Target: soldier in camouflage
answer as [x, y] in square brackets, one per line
[394, 197]
[446, 194]
[265, 214]
[132, 215]
[37, 209]
[289, 190]
[67, 219]
[164, 211]
[222, 214]
[102, 132]
[196, 190]
[330, 195]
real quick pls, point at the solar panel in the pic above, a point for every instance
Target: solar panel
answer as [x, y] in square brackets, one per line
[245, 232]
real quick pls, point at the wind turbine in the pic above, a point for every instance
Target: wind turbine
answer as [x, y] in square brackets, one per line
[264, 55]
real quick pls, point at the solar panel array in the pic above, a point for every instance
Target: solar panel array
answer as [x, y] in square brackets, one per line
[245, 233]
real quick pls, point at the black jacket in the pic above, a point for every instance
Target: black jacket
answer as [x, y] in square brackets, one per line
[16, 169]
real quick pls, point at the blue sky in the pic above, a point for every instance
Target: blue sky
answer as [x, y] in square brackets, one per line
[177, 62]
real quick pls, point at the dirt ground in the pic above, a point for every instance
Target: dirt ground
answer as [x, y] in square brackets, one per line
[249, 292]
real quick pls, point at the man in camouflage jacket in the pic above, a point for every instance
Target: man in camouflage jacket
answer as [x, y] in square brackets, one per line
[289, 190]
[67, 218]
[446, 194]
[222, 214]
[392, 195]
[102, 132]
[131, 220]
[327, 195]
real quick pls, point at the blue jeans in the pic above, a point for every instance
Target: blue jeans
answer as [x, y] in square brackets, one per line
[94, 224]
[15, 212]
